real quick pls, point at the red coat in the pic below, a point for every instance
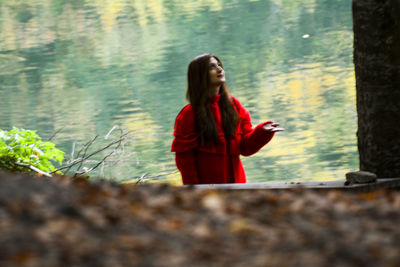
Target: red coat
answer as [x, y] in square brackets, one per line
[213, 164]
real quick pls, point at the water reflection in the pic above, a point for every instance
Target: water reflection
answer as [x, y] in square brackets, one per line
[86, 66]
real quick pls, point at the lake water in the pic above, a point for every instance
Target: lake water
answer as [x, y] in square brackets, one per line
[83, 67]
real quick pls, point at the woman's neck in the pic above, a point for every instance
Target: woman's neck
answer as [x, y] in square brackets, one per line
[216, 89]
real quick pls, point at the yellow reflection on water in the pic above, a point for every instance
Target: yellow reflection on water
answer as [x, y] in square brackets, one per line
[140, 123]
[306, 95]
[109, 11]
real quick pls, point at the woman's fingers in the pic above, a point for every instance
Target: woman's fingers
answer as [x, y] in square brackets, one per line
[277, 130]
[271, 127]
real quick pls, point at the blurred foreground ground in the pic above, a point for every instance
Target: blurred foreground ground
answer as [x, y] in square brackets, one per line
[71, 222]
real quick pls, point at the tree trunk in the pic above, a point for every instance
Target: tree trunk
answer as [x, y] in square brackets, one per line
[377, 66]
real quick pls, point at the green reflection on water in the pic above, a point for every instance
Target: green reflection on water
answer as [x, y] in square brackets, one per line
[90, 65]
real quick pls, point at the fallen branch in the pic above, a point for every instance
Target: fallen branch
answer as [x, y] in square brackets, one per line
[144, 176]
[164, 174]
[33, 168]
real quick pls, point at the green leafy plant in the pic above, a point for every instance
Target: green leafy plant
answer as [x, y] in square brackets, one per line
[21, 149]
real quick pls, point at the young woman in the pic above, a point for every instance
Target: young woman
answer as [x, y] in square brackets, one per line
[214, 129]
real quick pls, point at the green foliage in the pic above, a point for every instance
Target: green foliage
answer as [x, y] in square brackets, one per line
[26, 147]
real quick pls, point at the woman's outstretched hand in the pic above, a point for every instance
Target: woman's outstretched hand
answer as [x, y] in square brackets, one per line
[273, 127]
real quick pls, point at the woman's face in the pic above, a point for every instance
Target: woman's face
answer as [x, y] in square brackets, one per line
[215, 72]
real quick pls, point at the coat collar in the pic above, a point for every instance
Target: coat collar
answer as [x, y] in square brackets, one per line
[215, 98]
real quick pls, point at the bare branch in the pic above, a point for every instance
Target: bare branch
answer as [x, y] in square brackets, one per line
[73, 150]
[91, 169]
[102, 170]
[84, 153]
[109, 132]
[59, 130]
[85, 146]
[103, 148]
[102, 161]
[141, 179]
[85, 157]
[68, 166]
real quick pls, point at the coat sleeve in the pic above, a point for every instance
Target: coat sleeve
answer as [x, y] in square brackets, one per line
[185, 144]
[185, 136]
[253, 139]
[186, 163]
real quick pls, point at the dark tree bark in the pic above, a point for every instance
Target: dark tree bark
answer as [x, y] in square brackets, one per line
[377, 66]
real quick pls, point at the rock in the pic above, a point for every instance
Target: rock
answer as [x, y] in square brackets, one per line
[361, 177]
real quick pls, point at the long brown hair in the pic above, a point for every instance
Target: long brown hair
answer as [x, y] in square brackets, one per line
[199, 95]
